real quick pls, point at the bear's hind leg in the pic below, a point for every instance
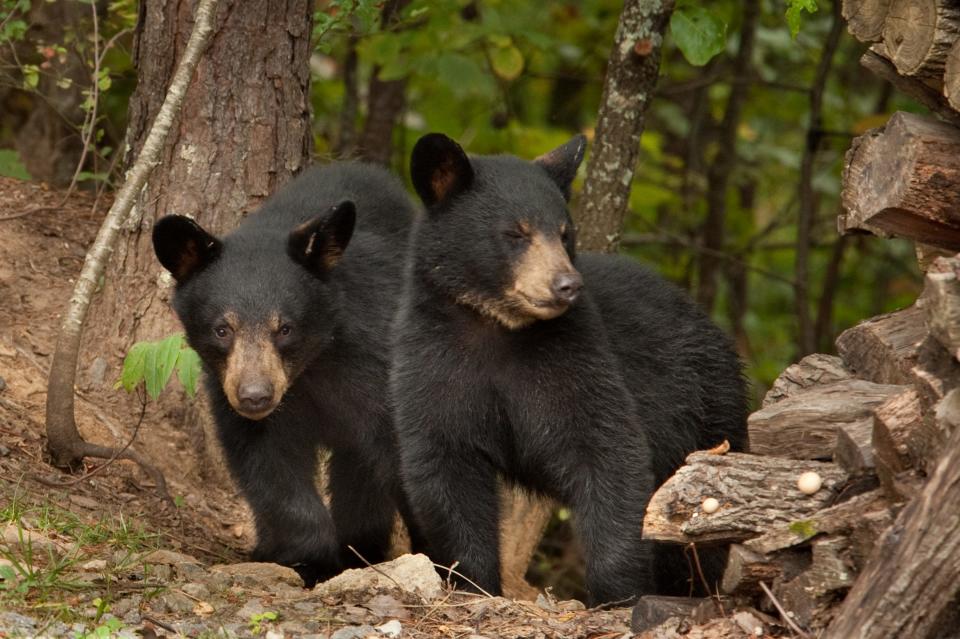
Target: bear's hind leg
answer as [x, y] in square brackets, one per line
[362, 507]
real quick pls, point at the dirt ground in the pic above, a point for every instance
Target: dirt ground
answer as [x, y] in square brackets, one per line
[105, 555]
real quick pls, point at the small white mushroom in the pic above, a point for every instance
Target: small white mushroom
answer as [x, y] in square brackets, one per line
[809, 483]
[710, 505]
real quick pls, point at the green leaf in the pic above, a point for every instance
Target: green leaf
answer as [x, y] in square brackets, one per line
[699, 34]
[188, 370]
[795, 9]
[168, 351]
[31, 76]
[458, 72]
[104, 82]
[507, 62]
[151, 375]
[133, 366]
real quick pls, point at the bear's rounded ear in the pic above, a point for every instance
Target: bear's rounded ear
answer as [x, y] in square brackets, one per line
[439, 168]
[319, 243]
[183, 247]
[562, 163]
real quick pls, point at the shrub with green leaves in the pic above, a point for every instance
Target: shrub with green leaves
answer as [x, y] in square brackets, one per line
[153, 363]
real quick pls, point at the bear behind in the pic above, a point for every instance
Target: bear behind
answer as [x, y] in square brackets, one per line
[585, 378]
[290, 314]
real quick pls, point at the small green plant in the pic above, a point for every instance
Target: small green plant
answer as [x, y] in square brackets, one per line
[258, 619]
[804, 528]
[153, 363]
[25, 573]
[107, 629]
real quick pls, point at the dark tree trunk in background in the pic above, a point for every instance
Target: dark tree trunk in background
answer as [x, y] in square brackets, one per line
[244, 131]
[806, 337]
[718, 175]
[346, 136]
[385, 102]
[632, 72]
[45, 122]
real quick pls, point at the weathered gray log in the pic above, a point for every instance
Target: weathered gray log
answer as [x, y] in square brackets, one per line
[835, 520]
[941, 302]
[918, 35]
[754, 492]
[865, 18]
[808, 595]
[912, 579]
[745, 570]
[853, 451]
[653, 610]
[926, 254]
[805, 425]
[884, 349]
[935, 375]
[812, 370]
[899, 182]
[897, 424]
[951, 76]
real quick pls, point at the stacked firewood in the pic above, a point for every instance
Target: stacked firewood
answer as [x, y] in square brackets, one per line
[869, 546]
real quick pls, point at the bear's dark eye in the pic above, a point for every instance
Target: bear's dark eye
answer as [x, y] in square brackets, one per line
[221, 331]
[517, 235]
[285, 330]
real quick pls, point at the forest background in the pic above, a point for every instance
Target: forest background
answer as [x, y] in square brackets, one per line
[745, 135]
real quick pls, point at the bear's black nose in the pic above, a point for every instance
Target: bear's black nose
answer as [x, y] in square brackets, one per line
[255, 396]
[566, 287]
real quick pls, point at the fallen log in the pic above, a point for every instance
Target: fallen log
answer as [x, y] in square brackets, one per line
[754, 492]
[865, 18]
[951, 76]
[912, 579]
[884, 349]
[941, 302]
[840, 519]
[897, 425]
[918, 34]
[812, 370]
[853, 451]
[807, 596]
[805, 425]
[899, 182]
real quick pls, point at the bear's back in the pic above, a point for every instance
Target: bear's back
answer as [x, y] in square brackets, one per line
[383, 206]
[675, 359]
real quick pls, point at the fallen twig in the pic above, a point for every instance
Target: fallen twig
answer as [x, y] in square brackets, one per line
[783, 613]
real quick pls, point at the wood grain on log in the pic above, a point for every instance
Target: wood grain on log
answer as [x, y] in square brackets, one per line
[901, 182]
[876, 63]
[812, 370]
[865, 18]
[839, 519]
[884, 349]
[754, 493]
[808, 596]
[941, 302]
[896, 423]
[805, 425]
[926, 254]
[951, 76]
[911, 583]
[853, 451]
[918, 35]
[746, 569]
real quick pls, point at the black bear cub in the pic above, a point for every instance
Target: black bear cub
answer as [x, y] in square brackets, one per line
[290, 314]
[585, 378]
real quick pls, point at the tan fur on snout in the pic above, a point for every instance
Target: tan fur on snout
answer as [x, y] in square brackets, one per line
[529, 296]
[253, 357]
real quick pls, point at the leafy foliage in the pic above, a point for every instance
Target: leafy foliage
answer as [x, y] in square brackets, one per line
[699, 34]
[153, 363]
[795, 9]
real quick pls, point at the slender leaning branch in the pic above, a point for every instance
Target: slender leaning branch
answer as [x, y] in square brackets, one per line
[64, 443]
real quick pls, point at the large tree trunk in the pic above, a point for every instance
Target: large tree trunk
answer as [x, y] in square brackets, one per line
[632, 73]
[243, 132]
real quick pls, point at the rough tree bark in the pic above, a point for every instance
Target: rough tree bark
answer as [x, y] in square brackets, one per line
[244, 132]
[718, 176]
[632, 72]
[912, 579]
[64, 443]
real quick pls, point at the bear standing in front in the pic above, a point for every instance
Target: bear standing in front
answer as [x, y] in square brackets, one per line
[290, 314]
[587, 379]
